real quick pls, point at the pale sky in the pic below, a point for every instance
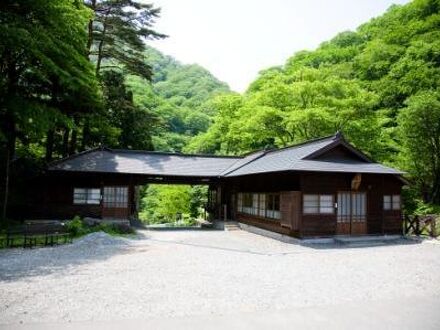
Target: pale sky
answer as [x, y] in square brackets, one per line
[235, 39]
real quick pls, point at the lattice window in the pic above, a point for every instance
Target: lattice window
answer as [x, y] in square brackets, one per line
[115, 197]
[273, 206]
[391, 202]
[318, 204]
[259, 204]
[86, 196]
[352, 206]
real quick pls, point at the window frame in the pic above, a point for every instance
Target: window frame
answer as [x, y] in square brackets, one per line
[317, 208]
[87, 193]
[356, 208]
[118, 199]
[256, 204]
[393, 203]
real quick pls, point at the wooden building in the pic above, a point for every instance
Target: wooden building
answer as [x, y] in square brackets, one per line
[323, 187]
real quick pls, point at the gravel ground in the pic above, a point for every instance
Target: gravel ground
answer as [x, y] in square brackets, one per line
[190, 273]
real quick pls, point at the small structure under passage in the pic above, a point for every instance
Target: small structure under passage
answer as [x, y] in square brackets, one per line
[322, 187]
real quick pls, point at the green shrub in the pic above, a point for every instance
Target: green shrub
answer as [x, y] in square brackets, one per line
[115, 228]
[424, 208]
[76, 227]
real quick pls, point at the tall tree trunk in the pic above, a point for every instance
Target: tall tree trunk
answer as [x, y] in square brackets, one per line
[10, 154]
[49, 145]
[90, 31]
[65, 147]
[85, 135]
[10, 128]
[73, 141]
[6, 189]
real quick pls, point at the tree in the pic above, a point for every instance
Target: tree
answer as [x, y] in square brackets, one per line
[420, 133]
[132, 122]
[162, 202]
[44, 72]
[116, 34]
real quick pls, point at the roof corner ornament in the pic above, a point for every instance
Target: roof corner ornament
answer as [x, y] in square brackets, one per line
[356, 181]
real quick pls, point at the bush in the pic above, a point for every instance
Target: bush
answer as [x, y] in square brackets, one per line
[76, 227]
[425, 208]
[115, 228]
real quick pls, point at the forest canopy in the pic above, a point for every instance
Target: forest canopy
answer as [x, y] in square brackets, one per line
[75, 75]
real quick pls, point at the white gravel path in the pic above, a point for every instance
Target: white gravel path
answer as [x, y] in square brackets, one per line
[183, 273]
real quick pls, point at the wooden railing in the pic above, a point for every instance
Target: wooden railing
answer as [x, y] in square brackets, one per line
[427, 225]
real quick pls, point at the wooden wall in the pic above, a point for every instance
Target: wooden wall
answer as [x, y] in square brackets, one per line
[51, 197]
[322, 225]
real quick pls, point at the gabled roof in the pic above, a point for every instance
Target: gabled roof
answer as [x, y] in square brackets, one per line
[301, 157]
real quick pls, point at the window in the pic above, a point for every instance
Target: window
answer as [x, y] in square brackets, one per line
[255, 208]
[387, 202]
[262, 205]
[273, 206]
[391, 202]
[240, 202]
[247, 203]
[311, 204]
[318, 204]
[115, 197]
[396, 202]
[86, 196]
[326, 204]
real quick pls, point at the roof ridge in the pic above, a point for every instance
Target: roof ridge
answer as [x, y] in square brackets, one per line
[173, 153]
[334, 137]
[226, 172]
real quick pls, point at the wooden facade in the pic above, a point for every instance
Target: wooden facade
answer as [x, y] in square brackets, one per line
[293, 186]
[317, 189]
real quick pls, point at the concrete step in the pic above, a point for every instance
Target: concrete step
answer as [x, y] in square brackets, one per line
[231, 225]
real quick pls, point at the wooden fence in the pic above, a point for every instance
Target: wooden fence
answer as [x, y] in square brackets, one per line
[427, 225]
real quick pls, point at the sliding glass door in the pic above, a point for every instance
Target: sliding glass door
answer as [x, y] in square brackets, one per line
[352, 213]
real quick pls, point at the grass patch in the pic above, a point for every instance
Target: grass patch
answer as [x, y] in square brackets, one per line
[78, 227]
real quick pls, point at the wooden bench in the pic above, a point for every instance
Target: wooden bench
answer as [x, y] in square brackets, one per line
[50, 233]
[14, 234]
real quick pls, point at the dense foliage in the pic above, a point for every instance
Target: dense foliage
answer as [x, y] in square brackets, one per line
[178, 96]
[171, 203]
[379, 85]
[75, 74]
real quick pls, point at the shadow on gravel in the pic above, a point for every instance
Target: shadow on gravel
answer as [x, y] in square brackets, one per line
[359, 245]
[19, 263]
[192, 228]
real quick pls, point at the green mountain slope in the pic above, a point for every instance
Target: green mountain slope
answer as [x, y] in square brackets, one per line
[177, 96]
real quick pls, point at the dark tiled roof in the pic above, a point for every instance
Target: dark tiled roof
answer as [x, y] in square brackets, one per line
[144, 162]
[294, 158]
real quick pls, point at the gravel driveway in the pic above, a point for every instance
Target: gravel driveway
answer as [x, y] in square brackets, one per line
[201, 273]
